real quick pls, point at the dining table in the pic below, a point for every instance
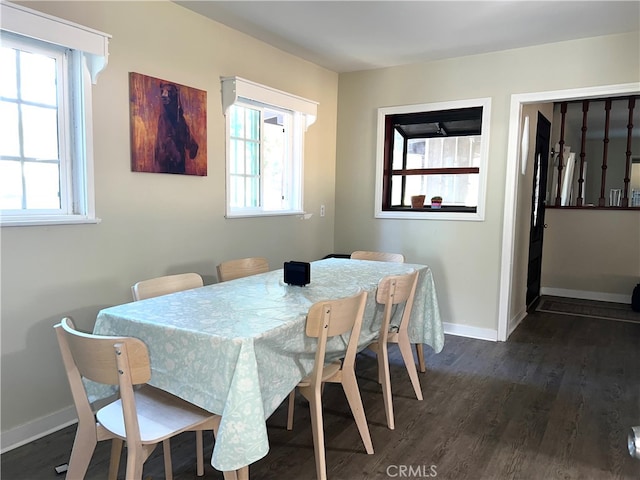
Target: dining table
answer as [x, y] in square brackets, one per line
[238, 348]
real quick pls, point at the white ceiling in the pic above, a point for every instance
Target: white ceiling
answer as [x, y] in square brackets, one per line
[346, 36]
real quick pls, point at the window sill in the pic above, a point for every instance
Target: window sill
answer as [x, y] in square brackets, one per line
[288, 213]
[21, 221]
[445, 213]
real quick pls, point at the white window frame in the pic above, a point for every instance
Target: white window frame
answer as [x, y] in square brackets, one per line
[87, 53]
[303, 114]
[478, 215]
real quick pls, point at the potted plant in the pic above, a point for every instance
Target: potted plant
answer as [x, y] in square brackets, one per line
[436, 201]
[417, 201]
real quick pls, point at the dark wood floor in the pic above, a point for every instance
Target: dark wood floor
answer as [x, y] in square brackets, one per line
[554, 402]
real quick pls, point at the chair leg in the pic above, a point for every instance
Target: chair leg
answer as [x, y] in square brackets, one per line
[385, 381]
[243, 473]
[166, 451]
[135, 460]
[230, 475]
[199, 454]
[82, 451]
[292, 399]
[114, 462]
[352, 392]
[407, 356]
[314, 397]
[420, 353]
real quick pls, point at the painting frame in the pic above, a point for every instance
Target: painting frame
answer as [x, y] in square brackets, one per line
[168, 125]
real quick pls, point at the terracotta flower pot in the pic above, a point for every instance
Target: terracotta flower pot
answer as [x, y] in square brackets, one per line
[417, 201]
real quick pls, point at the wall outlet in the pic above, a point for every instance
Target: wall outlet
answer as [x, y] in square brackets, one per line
[322, 210]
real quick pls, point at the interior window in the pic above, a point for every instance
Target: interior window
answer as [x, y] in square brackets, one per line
[432, 160]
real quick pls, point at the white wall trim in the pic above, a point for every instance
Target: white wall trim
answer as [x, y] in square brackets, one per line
[470, 332]
[41, 427]
[511, 181]
[515, 321]
[586, 295]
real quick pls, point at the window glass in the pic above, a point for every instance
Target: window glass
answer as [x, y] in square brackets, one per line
[9, 129]
[261, 158]
[30, 131]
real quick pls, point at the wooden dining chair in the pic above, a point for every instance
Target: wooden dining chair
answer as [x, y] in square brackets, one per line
[142, 415]
[395, 290]
[241, 267]
[378, 256]
[155, 287]
[325, 320]
[391, 257]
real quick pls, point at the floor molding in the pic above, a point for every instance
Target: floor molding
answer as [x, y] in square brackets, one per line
[586, 295]
[470, 332]
[43, 426]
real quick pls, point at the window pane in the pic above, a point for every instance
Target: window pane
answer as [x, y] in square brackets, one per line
[434, 156]
[449, 151]
[38, 78]
[236, 121]
[237, 191]
[455, 190]
[398, 148]
[9, 133]
[274, 168]
[42, 185]
[416, 185]
[252, 158]
[40, 130]
[8, 85]
[476, 150]
[396, 189]
[253, 124]
[10, 185]
[415, 153]
[236, 156]
[253, 191]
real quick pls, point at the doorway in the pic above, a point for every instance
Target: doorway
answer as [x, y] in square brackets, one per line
[511, 309]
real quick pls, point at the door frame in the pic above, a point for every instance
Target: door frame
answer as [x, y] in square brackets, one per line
[507, 322]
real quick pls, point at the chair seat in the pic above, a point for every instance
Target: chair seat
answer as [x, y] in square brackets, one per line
[328, 371]
[160, 415]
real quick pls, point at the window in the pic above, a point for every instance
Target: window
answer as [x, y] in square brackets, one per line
[46, 173]
[433, 150]
[265, 130]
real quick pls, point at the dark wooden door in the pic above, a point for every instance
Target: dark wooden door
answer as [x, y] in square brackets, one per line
[541, 164]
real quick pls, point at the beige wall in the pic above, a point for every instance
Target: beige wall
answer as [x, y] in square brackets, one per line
[465, 256]
[592, 251]
[152, 224]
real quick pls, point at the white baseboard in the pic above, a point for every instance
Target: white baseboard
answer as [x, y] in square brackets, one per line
[43, 426]
[470, 332]
[586, 295]
[515, 321]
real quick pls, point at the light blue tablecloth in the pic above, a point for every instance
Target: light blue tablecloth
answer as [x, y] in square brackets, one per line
[238, 348]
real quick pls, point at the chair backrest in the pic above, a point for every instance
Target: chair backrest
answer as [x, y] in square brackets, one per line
[155, 287]
[329, 318]
[93, 356]
[121, 361]
[378, 256]
[393, 290]
[241, 267]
